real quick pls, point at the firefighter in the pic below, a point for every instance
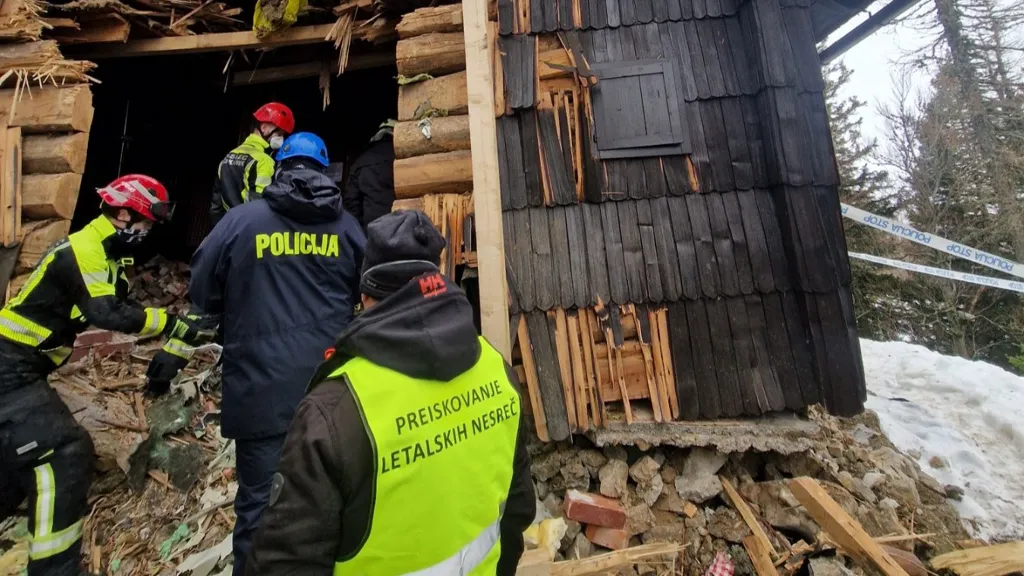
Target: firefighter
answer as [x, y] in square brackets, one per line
[248, 169]
[283, 274]
[408, 453]
[44, 454]
[370, 190]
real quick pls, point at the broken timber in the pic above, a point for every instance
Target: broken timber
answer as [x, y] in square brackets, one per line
[50, 195]
[447, 134]
[846, 531]
[55, 154]
[447, 93]
[444, 173]
[985, 561]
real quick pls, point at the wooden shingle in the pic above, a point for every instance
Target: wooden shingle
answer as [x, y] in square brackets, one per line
[757, 245]
[671, 282]
[627, 12]
[649, 247]
[741, 251]
[816, 125]
[682, 230]
[700, 9]
[544, 279]
[612, 11]
[782, 351]
[632, 252]
[510, 139]
[827, 199]
[518, 57]
[503, 170]
[531, 157]
[565, 296]
[724, 250]
[725, 56]
[598, 265]
[683, 362]
[618, 286]
[712, 64]
[755, 400]
[508, 233]
[549, 375]
[506, 15]
[565, 16]
[755, 142]
[563, 187]
[725, 360]
[721, 176]
[703, 241]
[577, 235]
[767, 371]
[698, 66]
[699, 156]
[703, 359]
[736, 136]
[644, 11]
[521, 251]
[804, 46]
[599, 13]
[803, 356]
[773, 238]
[742, 60]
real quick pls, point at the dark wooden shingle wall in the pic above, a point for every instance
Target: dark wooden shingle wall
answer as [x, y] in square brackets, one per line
[740, 239]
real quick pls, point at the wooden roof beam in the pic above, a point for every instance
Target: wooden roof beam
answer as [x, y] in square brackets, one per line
[199, 43]
[311, 69]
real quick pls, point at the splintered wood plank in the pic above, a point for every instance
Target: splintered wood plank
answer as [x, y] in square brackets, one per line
[581, 385]
[682, 361]
[497, 70]
[10, 185]
[669, 410]
[759, 556]
[748, 516]
[844, 530]
[665, 344]
[614, 354]
[597, 409]
[649, 370]
[431, 19]
[558, 326]
[704, 360]
[434, 54]
[447, 93]
[532, 384]
[994, 560]
[548, 375]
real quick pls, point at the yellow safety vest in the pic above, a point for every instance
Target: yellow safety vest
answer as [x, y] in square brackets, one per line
[444, 453]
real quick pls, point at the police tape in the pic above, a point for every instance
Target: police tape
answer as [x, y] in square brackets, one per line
[906, 231]
[943, 273]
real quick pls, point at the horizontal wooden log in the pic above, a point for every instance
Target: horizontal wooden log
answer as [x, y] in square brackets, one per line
[50, 109]
[447, 93]
[433, 54]
[429, 20]
[55, 154]
[37, 238]
[311, 69]
[30, 55]
[408, 204]
[447, 134]
[50, 195]
[445, 173]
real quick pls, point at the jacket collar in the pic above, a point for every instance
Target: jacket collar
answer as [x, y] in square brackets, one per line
[257, 141]
[101, 227]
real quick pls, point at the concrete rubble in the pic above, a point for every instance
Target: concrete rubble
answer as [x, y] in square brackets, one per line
[674, 494]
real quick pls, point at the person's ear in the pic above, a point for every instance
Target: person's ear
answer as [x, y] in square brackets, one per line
[123, 215]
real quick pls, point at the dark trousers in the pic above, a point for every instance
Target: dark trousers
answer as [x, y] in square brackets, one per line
[48, 458]
[256, 462]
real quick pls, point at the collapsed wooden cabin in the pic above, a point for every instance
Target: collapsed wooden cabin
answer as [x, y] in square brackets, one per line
[670, 209]
[669, 218]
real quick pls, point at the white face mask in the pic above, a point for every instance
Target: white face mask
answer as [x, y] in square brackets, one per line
[276, 142]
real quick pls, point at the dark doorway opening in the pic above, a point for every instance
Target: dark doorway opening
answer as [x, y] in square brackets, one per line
[175, 117]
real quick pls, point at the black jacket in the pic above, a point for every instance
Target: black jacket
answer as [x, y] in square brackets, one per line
[370, 190]
[322, 503]
[284, 273]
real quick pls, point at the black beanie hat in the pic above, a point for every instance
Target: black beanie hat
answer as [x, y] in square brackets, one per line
[399, 247]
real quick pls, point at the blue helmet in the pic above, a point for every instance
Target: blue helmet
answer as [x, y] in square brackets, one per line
[304, 145]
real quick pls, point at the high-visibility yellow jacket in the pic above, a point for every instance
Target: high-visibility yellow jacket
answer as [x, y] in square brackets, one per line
[241, 176]
[76, 283]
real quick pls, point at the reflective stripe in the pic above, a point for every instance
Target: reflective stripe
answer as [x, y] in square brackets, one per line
[468, 557]
[179, 348]
[15, 327]
[156, 320]
[115, 193]
[45, 497]
[263, 180]
[143, 190]
[93, 277]
[39, 548]
[59, 355]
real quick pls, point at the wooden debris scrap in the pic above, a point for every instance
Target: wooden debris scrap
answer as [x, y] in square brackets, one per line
[985, 561]
[748, 516]
[847, 532]
[759, 556]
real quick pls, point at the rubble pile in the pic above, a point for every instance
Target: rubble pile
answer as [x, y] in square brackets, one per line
[161, 283]
[712, 502]
[165, 476]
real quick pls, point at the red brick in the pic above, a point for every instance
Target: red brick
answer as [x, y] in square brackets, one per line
[616, 539]
[104, 350]
[77, 354]
[93, 337]
[594, 509]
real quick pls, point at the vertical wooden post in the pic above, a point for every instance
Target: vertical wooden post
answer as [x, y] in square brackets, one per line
[486, 190]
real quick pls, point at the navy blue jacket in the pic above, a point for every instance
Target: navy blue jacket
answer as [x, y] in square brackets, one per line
[284, 274]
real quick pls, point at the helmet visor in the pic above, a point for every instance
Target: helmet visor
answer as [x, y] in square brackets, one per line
[163, 211]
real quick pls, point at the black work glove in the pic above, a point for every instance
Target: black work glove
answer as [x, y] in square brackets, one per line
[192, 329]
[162, 370]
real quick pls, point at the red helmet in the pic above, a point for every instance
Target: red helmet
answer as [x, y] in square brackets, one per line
[277, 114]
[142, 194]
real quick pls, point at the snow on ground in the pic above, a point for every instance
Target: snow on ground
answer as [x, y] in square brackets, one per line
[970, 414]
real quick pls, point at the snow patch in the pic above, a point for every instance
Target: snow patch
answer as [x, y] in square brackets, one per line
[967, 413]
